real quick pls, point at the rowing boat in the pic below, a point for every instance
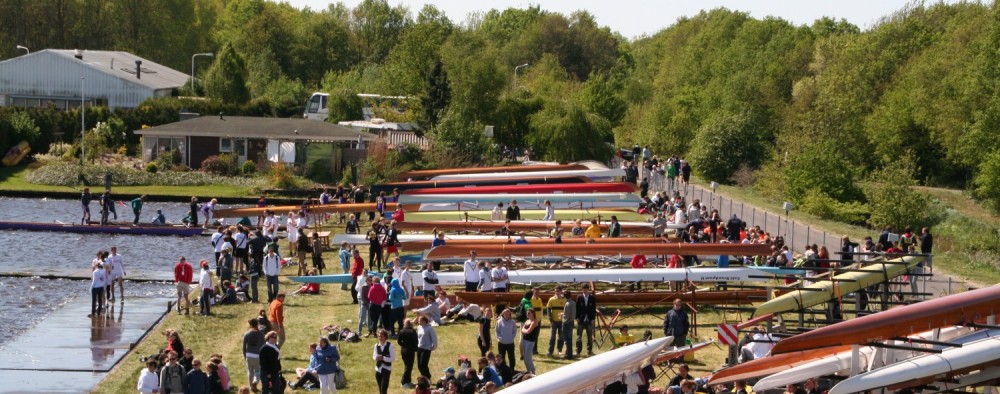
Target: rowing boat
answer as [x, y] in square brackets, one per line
[424, 241]
[592, 187]
[678, 352]
[328, 208]
[654, 247]
[602, 215]
[419, 174]
[388, 188]
[626, 199]
[845, 283]
[145, 229]
[926, 368]
[608, 174]
[516, 226]
[614, 275]
[906, 320]
[594, 373]
[869, 358]
[628, 298]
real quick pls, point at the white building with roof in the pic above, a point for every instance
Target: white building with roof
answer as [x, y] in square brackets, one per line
[60, 77]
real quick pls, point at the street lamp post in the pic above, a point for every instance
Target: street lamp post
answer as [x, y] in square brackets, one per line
[515, 73]
[207, 54]
[83, 125]
[26, 50]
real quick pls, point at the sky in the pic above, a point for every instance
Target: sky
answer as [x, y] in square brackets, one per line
[634, 18]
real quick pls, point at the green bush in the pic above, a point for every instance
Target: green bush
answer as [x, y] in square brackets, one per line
[223, 164]
[819, 204]
[151, 167]
[249, 167]
[894, 202]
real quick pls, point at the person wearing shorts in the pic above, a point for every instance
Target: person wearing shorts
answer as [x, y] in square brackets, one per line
[183, 274]
[117, 274]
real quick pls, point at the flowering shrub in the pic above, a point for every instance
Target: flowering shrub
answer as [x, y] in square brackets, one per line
[67, 174]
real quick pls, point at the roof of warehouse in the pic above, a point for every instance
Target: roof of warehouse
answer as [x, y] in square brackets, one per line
[115, 63]
[259, 128]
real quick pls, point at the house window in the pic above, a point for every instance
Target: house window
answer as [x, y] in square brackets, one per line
[237, 147]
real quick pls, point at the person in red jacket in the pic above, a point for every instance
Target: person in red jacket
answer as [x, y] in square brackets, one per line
[183, 273]
[357, 267]
[639, 260]
[376, 296]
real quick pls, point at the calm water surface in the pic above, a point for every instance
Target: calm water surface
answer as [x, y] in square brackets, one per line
[32, 298]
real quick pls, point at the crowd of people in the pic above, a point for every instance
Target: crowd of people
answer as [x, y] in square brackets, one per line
[383, 290]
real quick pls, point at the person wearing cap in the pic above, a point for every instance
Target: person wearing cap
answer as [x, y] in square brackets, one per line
[159, 219]
[205, 282]
[226, 263]
[449, 375]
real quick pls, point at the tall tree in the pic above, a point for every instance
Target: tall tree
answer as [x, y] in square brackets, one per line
[226, 79]
[436, 97]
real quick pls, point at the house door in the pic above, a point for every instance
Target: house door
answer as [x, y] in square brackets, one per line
[240, 151]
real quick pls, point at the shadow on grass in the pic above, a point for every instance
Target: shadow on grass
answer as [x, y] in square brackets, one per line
[9, 172]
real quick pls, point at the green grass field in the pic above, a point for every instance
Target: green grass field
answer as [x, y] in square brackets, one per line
[306, 314]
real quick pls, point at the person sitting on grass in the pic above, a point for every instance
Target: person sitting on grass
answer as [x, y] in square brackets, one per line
[307, 377]
[228, 292]
[431, 310]
[308, 288]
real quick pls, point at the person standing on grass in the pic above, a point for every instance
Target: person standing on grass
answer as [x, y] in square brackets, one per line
[376, 297]
[205, 282]
[242, 249]
[529, 337]
[270, 364]
[430, 279]
[303, 247]
[172, 376]
[384, 354]
[357, 268]
[196, 380]
[408, 349]
[317, 253]
[506, 334]
[148, 379]
[586, 312]
[225, 266]
[427, 342]
[471, 270]
[253, 339]
[256, 263]
[276, 315]
[183, 274]
[137, 208]
[483, 339]
[676, 323]
[568, 319]
[360, 290]
[272, 267]
[345, 263]
[555, 306]
[329, 359]
[396, 297]
[117, 274]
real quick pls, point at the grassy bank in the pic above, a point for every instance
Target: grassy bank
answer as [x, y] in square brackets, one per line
[304, 315]
[12, 179]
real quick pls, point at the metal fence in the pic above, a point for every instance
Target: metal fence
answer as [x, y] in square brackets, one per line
[797, 235]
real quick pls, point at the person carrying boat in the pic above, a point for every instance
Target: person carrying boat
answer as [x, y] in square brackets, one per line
[85, 199]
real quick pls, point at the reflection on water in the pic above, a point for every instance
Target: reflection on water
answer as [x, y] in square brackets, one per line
[32, 298]
[106, 329]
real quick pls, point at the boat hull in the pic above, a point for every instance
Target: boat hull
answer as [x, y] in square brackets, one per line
[165, 230]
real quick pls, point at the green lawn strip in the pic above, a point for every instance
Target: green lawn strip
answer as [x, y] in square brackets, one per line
[12, 178]
[304, 315]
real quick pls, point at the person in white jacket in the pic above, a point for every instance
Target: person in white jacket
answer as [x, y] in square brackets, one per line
[272, 267]
[207, 289]
[149, 381]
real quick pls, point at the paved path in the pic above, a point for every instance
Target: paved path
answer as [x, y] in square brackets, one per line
[69, 352]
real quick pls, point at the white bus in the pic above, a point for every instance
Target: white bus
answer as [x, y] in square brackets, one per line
[316, 107]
